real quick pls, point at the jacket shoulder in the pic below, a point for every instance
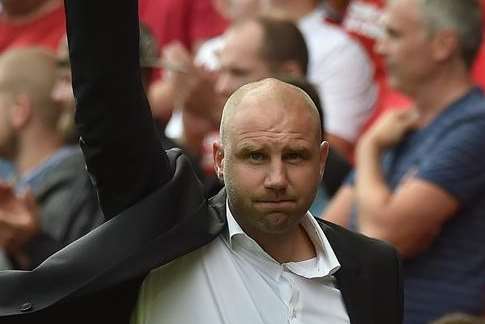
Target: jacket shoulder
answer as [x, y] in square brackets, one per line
[355, 245]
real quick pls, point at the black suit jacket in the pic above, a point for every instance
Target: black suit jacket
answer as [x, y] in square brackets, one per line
[160, 209]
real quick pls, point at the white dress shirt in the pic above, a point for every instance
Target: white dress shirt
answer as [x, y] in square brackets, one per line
[342, 73]
[232, 280]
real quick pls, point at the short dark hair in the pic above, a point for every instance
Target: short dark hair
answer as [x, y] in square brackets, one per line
[283, 42]
[464, 16]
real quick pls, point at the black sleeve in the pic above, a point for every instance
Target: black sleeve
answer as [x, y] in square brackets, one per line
[118, 136]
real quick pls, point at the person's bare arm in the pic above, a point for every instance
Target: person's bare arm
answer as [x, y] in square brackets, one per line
[409, 217]
[340, 207]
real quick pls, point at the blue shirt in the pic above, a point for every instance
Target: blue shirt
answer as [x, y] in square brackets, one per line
[36, 177]
[6, 170]
[450, 153]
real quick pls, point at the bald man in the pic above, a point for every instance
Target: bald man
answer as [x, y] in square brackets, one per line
[64, 205]
[251, 254]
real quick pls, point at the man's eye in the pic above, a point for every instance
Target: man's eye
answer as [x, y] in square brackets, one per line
[293, 156]
[255, 156]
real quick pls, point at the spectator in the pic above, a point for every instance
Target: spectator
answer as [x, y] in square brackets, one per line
[65, 205]
[362, 20]
[418, 182]
[39, 23]
[23, 23]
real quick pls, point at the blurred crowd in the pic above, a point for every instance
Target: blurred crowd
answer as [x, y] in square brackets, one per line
[398, 85]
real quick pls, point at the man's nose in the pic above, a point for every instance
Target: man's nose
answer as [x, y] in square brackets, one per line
[276, 177]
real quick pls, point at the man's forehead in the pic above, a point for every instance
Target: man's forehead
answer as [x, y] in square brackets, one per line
[260, 94]
[402, 8]
[246, 35]
[263, 102]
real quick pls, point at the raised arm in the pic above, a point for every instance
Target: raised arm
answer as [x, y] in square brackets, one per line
[118, 138]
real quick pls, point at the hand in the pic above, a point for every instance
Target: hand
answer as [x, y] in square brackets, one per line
[194, 85]
[19, 219]
[180, 70]
[390, 129]
[179, 78]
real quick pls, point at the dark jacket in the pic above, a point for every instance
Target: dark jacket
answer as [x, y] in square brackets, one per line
[160, 205]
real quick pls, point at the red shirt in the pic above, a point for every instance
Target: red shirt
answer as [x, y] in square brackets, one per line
[46, 31]
[187, 21]
[479, 68]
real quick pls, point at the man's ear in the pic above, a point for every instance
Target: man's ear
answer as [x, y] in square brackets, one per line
[324, 148]
[218, 155]
[444, 45]
[21, 111]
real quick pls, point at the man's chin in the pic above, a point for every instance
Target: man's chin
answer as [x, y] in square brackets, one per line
[277, 223]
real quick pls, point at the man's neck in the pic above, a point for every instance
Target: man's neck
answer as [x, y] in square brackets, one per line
[26, 10]
[32, 153]
[293, 246]
[436, 95]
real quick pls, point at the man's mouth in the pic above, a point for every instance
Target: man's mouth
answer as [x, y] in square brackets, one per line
[275, 203]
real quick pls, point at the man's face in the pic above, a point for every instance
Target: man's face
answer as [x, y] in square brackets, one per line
[272, 161]
[240, 59]
[62, 92]
[405, 46]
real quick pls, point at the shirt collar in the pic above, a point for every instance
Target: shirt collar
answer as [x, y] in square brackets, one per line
[33, 178]
[326, 262]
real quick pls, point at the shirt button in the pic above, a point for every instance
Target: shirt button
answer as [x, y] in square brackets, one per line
[25, 307]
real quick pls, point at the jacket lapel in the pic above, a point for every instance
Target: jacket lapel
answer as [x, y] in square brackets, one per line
[352, 281]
